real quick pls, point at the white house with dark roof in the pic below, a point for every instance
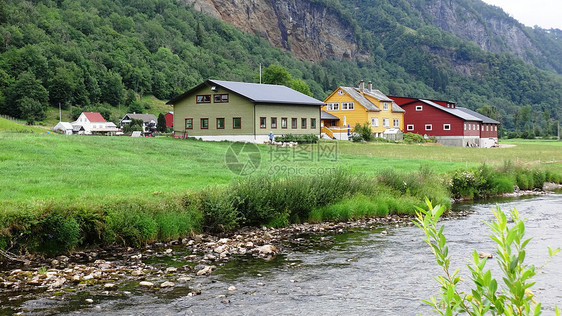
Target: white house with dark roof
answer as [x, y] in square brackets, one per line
[149, 121]
[238, 111]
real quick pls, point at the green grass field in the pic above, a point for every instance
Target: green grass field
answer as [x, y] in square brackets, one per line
[37, 167]
[96, 190]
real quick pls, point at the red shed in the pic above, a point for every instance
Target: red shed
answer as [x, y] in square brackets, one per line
[169, 119]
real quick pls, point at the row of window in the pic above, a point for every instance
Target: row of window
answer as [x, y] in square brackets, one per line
[220, 123]
[447, 127]
[237, 123]
[285, 121]
[335, 106]
[428, 127]
[217, 98]
[385, 122]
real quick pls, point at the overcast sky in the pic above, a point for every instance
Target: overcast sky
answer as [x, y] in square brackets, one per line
[544, 13]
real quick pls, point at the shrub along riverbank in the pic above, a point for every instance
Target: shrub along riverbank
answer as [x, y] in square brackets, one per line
[57, 226]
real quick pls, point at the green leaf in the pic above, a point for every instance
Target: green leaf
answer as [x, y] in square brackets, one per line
[493, 286]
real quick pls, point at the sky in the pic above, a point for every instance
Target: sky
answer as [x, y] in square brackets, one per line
[544, 13]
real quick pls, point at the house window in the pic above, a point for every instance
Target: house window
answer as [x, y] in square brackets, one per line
[385, 122]
[221, 98]
[385, 106]
[347, 106]
[477, 127]
[303, 123]
[486, 128]
[333, 106]
[495, 128]
[419, 107]
[428, 127]
[446, 127]
[283, 122]
[340, 92]
[395, 122]
[188, 123]
[469, 127]
[220, 123]
[313, 123]
[237, 122]
[273, 122]
[203, 98]
[410, 127]
[474, 127]
[375, 121]
[204, 123]
[263, 122]
[294, 123]
[465, 126]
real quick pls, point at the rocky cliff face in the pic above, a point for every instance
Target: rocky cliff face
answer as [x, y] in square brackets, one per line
[309, 30]
[469, 24]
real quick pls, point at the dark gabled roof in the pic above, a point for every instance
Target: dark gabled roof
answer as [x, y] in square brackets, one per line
[257, 93]
[327, 116]
[377, 94]
[484, 118]
[355, 94]
[144, 117]
[358, 95]
[456, 112]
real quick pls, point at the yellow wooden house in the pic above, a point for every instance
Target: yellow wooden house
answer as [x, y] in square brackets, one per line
[349, 106]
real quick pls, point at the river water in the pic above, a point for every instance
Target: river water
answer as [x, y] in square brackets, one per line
[358, 272]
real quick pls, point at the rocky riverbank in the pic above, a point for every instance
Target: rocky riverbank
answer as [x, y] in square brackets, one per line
[161, 267]
[177, 266]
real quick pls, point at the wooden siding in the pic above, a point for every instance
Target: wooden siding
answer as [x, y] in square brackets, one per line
[437, 119]
[360, 115]
[236, 107]
[351, 117]
[289, 111]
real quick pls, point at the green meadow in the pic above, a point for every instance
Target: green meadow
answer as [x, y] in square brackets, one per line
[61, 192]
[51, 166]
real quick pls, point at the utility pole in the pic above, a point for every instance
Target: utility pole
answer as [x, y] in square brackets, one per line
[260, 73]
[558, 130]
[60, 113]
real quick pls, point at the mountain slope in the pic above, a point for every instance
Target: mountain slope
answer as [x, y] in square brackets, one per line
[107, 53]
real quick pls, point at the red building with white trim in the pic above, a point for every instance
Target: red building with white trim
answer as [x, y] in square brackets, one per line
[449, 125]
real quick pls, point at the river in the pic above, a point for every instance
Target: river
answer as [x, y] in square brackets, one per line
[355, 273]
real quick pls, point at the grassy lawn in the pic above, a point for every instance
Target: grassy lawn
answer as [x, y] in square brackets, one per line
[530, 152]
[36, 167]
[10, 126]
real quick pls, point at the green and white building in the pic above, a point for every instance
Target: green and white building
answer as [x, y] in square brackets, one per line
[247, 112]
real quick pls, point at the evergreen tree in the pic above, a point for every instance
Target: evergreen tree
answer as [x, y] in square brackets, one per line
[161, 125]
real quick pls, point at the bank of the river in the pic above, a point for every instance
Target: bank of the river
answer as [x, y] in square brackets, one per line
[171, 270]
[174, 268]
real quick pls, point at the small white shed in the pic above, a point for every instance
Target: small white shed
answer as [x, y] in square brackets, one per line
[63, 128]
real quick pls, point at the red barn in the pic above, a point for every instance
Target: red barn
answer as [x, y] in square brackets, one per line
[169, 119]
[450, 125]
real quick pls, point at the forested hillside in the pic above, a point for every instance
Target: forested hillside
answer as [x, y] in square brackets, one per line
[103, 53]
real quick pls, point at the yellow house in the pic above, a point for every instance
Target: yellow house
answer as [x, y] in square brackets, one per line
[352, 106]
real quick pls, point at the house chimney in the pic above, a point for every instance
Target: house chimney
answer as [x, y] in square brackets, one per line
[361, 85]
[370, 86]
